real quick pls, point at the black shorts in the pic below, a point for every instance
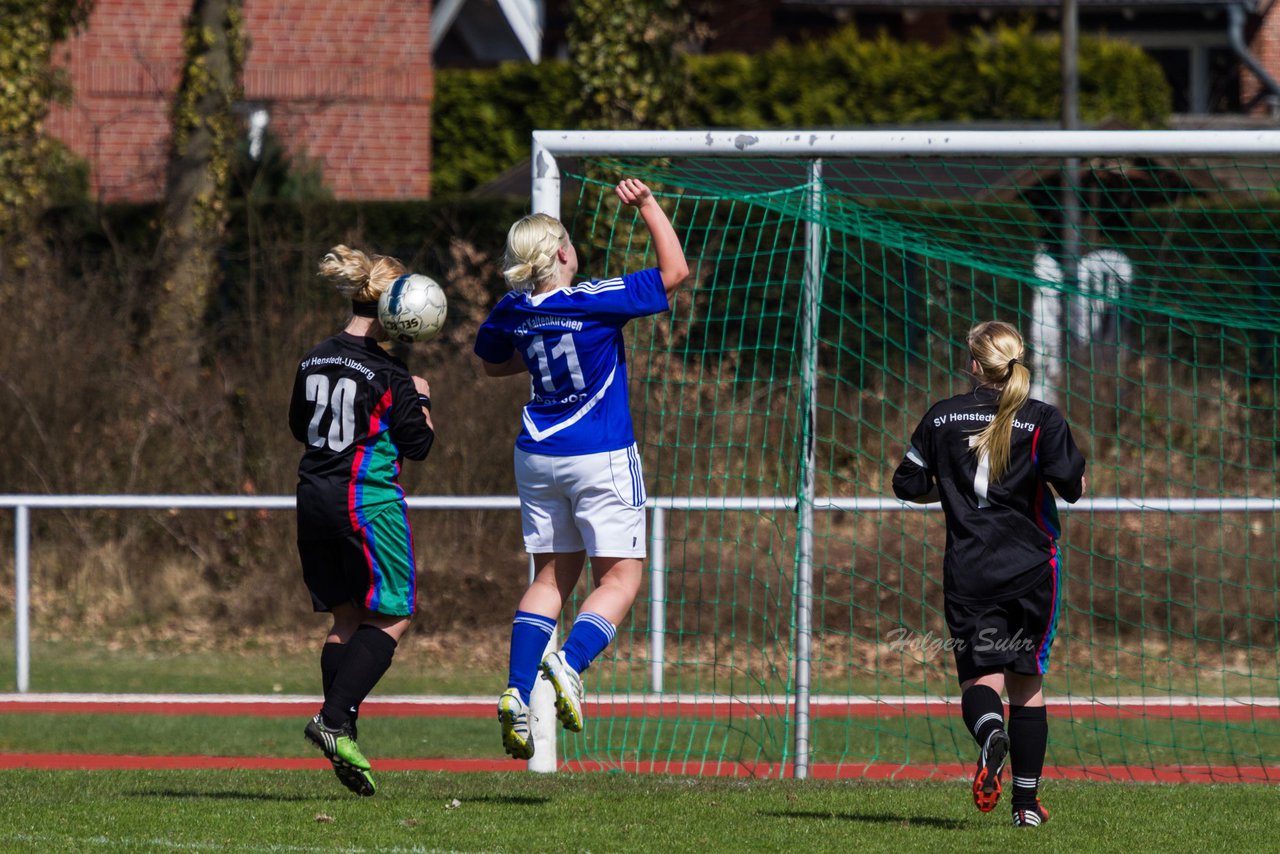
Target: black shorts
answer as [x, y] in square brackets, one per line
[372, 567]
[1011, 634]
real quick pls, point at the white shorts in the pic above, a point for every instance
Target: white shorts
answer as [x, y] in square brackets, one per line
[593, 502]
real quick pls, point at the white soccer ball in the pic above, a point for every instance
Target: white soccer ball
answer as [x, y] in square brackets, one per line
[413, 308]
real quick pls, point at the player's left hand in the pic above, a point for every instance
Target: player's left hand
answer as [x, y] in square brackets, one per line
[632, 192]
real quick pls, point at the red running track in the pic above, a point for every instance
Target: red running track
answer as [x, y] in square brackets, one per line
[1191, 708]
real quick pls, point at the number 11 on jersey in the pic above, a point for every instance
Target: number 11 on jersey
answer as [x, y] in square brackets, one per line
[537, 353]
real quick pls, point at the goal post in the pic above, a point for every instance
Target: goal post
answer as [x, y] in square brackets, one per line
[793, 624]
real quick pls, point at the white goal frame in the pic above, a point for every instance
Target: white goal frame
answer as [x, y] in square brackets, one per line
[812, 146]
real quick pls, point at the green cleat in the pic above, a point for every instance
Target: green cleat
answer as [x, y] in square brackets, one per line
[340, 748]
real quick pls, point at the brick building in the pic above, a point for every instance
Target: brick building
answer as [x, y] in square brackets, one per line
[353, 90]
[350, 89]
[1265, 46]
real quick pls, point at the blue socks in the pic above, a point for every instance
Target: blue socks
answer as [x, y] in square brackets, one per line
[529, 636]
[590, 634]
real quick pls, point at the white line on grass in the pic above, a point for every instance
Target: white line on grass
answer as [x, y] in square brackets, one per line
[67, 843]
[1153, 701]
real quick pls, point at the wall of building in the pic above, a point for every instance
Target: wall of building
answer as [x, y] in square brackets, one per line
[1265, 45]
[351, 91]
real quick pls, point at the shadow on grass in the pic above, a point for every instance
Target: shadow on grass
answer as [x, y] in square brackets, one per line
[509, 800]
[876, 818]
[228, 796]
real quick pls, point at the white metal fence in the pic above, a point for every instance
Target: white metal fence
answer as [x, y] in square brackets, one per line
[22, 505]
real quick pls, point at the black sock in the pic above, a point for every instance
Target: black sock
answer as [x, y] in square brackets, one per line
[983, 712]
[1029, 738]
[368, 656]
[331, 657]
[332, 654]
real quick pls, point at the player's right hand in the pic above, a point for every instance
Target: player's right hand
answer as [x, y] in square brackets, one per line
[632, 192]
[422, 386]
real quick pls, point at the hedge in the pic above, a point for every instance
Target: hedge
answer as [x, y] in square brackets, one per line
[484, 118]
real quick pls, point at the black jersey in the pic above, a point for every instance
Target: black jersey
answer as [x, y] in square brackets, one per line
[1000, 536]
[356, 409]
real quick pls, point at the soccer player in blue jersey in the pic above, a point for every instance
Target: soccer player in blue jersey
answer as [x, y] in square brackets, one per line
[577, 469]
[990, 456]
[357, 412]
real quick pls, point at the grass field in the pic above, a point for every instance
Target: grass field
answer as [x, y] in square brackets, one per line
[240, 809]
[303, 811]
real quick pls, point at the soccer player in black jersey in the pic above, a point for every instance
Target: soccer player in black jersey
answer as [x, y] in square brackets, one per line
[990, 456]
[358, 412]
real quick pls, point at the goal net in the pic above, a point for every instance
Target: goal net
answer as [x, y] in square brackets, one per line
[793, 622]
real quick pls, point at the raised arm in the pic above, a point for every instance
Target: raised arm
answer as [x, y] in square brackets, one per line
[671, 263]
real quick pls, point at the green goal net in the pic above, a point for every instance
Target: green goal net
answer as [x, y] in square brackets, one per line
[793, 624]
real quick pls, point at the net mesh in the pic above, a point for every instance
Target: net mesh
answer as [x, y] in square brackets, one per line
[1153, 317]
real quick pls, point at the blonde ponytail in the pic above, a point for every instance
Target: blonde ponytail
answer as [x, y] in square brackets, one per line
[997, 348]
[357, 276]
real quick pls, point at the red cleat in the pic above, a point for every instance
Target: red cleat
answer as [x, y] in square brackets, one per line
[1033, 817]
[986, 780]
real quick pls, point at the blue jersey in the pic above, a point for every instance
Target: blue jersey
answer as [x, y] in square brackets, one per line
[571, 342]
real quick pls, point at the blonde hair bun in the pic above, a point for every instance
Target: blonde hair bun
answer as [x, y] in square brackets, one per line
[357, 275]
[530, 256]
